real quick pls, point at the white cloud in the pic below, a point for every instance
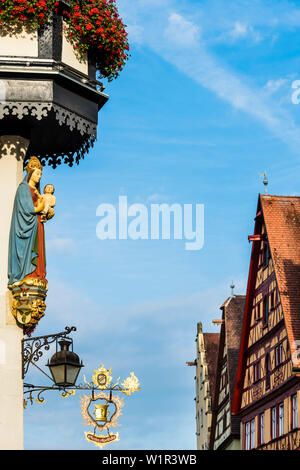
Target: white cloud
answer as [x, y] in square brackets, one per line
[239, 30]
[61, 245]
[157, 197]
[135, 33]
[242, 30]
[272, 86]
[181, 31]
[183, 48]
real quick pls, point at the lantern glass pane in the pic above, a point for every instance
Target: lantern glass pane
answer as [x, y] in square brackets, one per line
[72, 373]
[58, 373]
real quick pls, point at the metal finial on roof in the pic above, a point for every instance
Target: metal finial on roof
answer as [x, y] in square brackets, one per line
[232, 289]
[265, 181]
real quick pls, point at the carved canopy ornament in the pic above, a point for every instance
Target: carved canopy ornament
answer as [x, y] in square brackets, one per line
[73, 123]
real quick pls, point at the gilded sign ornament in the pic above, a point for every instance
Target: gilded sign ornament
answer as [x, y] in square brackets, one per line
[107, 407]
[101, 409]
[131, 384]
[102, 377]
[101, 421]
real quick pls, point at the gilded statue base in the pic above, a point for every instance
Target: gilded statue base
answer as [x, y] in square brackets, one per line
[28, 305]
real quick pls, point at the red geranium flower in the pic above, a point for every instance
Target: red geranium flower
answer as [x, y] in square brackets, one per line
[92, 26]
[97, 28]
[35, 12]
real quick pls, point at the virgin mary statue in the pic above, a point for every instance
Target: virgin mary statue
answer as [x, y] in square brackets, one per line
[26, 259]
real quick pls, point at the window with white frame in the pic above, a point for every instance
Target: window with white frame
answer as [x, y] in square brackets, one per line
[268, 373]
[274, 422]
[262, 428]
[221, 426]
[256, 371]
[252, 444]
[294, 411]
[278, 354]
[250, 434]
[228, 418]
[281, 419]
[247, 436]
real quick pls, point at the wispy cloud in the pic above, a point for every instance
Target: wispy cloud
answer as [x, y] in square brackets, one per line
[157, 198]
[184, 47]
[231, 87]
[61, 245]
[272, 86]
[182, 32]
[242, 30]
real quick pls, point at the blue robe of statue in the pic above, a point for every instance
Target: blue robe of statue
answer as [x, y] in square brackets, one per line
[23, 231]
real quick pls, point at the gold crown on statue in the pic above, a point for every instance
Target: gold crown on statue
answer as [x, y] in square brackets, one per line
[33, 164]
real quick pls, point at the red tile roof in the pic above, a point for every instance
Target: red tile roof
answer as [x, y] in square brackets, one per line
[282, 220]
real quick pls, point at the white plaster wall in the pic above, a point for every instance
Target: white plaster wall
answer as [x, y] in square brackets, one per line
[11, 383]
[70, 58]
[20, 45]
[202, 396]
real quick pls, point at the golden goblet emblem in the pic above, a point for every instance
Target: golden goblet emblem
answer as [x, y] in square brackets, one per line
[101, 413]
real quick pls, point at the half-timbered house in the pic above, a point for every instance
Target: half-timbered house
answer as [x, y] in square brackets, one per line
[267, 388]
[206, 366]
[225, 433]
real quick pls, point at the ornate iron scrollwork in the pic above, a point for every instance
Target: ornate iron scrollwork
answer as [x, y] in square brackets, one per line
[33, 348]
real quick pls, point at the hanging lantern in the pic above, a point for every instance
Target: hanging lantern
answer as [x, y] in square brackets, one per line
[65, 365]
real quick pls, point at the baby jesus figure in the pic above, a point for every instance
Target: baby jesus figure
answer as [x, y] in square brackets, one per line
[50, 202]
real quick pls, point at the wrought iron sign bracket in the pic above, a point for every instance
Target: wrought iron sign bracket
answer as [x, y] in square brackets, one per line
[33, 348]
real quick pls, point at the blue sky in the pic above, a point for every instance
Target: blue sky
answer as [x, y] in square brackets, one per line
[203, 107]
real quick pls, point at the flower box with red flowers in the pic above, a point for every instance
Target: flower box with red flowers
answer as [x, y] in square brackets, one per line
[93, 28]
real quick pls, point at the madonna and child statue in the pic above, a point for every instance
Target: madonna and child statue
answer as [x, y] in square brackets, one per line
[27, 255]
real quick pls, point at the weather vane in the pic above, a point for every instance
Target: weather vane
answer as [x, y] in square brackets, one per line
[232, 289]
[265, 181]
